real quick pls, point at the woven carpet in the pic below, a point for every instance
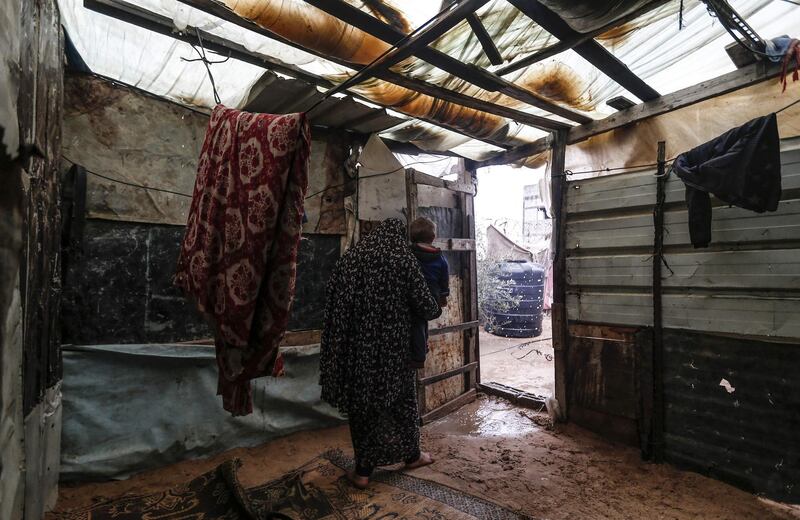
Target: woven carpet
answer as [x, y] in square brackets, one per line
[213, 495]
[318, 490]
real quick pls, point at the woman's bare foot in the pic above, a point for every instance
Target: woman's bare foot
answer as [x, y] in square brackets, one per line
[357, 480]
[424, 459]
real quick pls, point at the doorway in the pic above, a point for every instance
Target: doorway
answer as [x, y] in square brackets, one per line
[513, 227]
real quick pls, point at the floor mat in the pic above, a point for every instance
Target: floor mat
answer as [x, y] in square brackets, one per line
[320, 491]
[213, 495]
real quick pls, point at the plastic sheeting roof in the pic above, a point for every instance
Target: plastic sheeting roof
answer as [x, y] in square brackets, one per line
[666, 57]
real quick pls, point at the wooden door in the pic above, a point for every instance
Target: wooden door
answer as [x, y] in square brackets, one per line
[451, 372]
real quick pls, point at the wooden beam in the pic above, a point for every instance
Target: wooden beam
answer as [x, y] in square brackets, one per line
[411, 149]
[564, 45]
[705, 90]
[518, 397]
[437, 182]
[454, 328]
[296, 338]
[475, 75]
[415, 43]
[592, 51]
[547, 52]
[471, 102]
[558, 186]
[455, 244]
[487, 44]
[450, 406]
[658, 321]
[712, 88]
[471, 367]
[518, 153]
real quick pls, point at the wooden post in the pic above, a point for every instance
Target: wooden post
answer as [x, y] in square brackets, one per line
[559, 308]
[470, 283]
[658, 339]
[412, 203]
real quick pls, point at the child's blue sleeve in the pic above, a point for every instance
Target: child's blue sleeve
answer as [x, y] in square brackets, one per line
[444, 277]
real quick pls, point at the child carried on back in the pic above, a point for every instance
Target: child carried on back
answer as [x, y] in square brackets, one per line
[436, 272]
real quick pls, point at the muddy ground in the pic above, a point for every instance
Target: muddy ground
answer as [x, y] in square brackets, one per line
[523, 363]
[504, 454]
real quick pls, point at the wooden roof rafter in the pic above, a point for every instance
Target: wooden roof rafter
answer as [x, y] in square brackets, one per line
[485, 39]
[219, 10]
[469, 73]
[137, 15]
[427, 35]
[589, 49]
[576, 39]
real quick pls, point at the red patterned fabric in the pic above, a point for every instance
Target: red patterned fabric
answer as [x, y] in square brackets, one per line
[238, 257]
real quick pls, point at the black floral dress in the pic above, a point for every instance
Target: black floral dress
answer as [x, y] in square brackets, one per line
[364, 369]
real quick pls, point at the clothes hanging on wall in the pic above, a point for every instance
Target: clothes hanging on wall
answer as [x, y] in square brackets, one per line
[741, 167]
[238, 257]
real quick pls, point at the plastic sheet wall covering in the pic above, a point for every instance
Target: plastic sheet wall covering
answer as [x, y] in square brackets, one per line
[128, 408]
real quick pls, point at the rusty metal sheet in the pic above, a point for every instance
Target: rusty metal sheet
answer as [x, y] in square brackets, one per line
[446, 351]
[602, 380]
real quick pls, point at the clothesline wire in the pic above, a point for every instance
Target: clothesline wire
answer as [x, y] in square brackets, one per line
[126, 183]
[380, 174]
[163, 190]
[352, 79]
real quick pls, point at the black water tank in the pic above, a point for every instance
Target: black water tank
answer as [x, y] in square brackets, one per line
[523, 320]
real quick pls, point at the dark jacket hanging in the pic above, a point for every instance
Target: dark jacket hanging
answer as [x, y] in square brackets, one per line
[741, 167]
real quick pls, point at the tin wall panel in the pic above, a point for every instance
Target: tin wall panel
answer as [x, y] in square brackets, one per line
[731, 315]
[746, 282]
[745, 433]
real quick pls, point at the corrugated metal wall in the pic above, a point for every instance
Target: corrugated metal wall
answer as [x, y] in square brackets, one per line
[731, 312]
[746, 282]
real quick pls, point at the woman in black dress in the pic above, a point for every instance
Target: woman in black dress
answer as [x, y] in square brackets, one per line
[364, 366]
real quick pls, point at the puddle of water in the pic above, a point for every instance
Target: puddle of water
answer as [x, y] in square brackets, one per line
[486, 418]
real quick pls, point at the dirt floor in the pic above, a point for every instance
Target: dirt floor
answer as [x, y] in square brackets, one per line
[523, 363]
[504, 454]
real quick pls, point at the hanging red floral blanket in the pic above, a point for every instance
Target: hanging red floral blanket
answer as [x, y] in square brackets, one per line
[239, 254]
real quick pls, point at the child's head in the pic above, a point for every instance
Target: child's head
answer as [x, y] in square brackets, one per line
[423, 230]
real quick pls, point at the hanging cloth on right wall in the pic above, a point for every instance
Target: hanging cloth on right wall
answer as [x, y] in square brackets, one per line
[741, 167]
